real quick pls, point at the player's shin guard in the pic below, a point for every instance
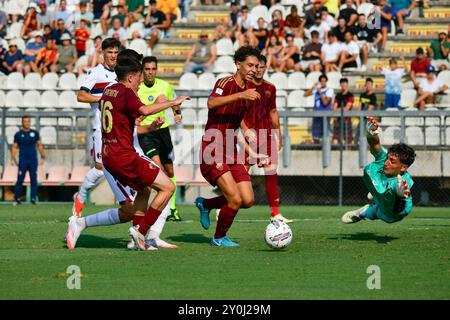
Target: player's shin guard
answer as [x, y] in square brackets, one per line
[225, 221]
[148, 220]
[272, 193]
[215, 203]
[91, 179]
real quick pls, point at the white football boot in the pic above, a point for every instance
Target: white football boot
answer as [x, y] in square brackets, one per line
[353, 216]
[76, 226]
[279, 217]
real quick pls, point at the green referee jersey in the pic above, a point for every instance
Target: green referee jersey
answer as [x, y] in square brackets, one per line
[148, 95]
[383, 188]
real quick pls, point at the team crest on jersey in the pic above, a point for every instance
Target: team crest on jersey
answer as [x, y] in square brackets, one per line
[32, 134]
[219, 91]
[151, 98]
[268, 93]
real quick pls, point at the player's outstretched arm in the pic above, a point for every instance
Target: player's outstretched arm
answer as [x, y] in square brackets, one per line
[86, 97]
[155, 125]
[372, 133]
[249, 94]
[160, 106]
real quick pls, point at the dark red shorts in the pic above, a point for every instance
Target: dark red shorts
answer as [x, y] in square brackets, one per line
[132, 170]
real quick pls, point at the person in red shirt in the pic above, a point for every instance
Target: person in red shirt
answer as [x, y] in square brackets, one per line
[261, 125]
[30, 22]
[46, 58]
[419, 67]
[81, 36]
[219, 165]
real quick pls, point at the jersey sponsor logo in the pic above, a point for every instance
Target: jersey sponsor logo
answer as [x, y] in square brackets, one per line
[151, 98]
[219, 91]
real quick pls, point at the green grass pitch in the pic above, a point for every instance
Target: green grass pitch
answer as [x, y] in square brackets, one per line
[326, 259]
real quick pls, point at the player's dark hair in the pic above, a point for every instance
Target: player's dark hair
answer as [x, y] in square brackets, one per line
[110, 43]
[25, 117]
[246, 51]
[150, 59]
[369, 80]
[129, 53]
[323, 76]
[263, 58]
[126, 66]
[405, 153]
[343, 80]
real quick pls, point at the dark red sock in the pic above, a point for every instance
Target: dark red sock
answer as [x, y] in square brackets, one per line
[215, 203]
[136, 219]
[225, 221]
[148, 220]
[272, 193]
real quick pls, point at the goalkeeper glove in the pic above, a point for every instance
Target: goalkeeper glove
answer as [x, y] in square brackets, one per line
[372, 127]
[402, 189]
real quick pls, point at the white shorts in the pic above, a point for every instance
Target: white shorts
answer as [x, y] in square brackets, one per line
[97, 145]
[122, 192]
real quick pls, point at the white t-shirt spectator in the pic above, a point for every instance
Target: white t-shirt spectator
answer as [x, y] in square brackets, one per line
[330, 21]
[393, 80]
[323, 28]
[431, 87]
[250, 22]
[353, 49]
[318, 104]
[332, 51]
[122, 33]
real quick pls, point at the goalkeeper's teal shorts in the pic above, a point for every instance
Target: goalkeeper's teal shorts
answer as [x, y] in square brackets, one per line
[376, 212]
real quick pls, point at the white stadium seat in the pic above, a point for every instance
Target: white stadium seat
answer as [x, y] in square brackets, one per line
[66, 121]
[260, 11]
[189, 117]
[206, 81]
[68, 81]
[13, 30]
[391, 135]
[32, 98]
[296, 99]
[413, 121]
[14, 98]
[444, 76]
[50, 80]
[139, 45]
[224, 64]
[414, 136]
[309, 102]
[279, 80]
[15, 81]
[2, 98]
[432, 136]
[297, 80]
[82, 61]
[48, 121]
[49, 98]
[10, 131]
[312, 78]
[203, 115]
[390, 121]
[67, 99]
[48, 135]
[277, 7]
[188, 81]
[297, 121]
[136, 26]
[33, 80]
[407, 98]
[225, 47]
[366, 9]
[13, 121]
[432, 121]
[447, 136]
[333, 80]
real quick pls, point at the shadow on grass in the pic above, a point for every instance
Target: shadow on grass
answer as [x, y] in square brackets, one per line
[190, 238]
[365, 236]
[93, 241]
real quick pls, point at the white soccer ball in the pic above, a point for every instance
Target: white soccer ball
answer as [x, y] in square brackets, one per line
[278, 235]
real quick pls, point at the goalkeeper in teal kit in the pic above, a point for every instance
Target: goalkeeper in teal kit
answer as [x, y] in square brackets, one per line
[387, 179]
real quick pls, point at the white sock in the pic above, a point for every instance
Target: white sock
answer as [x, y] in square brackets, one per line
[91, 179]
[103, 218]
[157, 227]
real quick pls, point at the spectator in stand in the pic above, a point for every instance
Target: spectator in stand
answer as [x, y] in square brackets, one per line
[12, 59]
[276, 29]
[121, 14]
[294, 24]
[234, 13]
[273, 51]
[368, 99]
[155, 23]
[59, 31]
[3, 24]
[185, 8]
[419, 67]
[311, 14]
[117, 31]
[349, 13]
[49, 33]
[367, 39]
[83, 14]
[429, 88]
[386, 16]
[332, 6]
[277, 15]
[135, 12]
[321, 27]
[331, 52]
[170, 9]
[32, 50]
[245, 23]
[343, 100]
[64, 14]
[46, 58]
[328, 18]
[392, 86]
[224, 29]
[81, 37]
[311, 54]
[95, 56]
[67, 55]
[202, 56]
[101, 9]
[261, 34]
[323, 101]
[439, 51]
[401, 9]
[290, 56]
[216, 2]
[30, 22]
[350, 53]
[341, 29]
[45, 17]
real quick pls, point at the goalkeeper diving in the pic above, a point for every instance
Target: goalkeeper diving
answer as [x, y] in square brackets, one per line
[387, 179]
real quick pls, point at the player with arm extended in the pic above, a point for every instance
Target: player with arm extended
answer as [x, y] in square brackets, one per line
[227, 105]
[125, 164]
[261, 126]
[91, 90]
[387, 179]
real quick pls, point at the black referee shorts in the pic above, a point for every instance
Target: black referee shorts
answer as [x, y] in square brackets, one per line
[158, 143]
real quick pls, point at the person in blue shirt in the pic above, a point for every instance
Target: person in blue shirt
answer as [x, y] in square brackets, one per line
[26, 141]
[401, 9]
[12, 59]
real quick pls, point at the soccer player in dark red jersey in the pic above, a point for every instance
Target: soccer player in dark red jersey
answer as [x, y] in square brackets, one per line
[120, 107]
[227, 105]
[261, 125]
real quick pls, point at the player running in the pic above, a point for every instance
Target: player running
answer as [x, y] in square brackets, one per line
[261, 125]
[157, 145]
[227, 105]
[97, 79]
[124, 165]
[387, 179]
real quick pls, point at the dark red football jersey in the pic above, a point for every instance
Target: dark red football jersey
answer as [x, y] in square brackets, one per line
[258, 114]
[119, 108]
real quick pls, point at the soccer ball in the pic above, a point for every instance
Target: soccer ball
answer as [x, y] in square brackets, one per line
[278, 235]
